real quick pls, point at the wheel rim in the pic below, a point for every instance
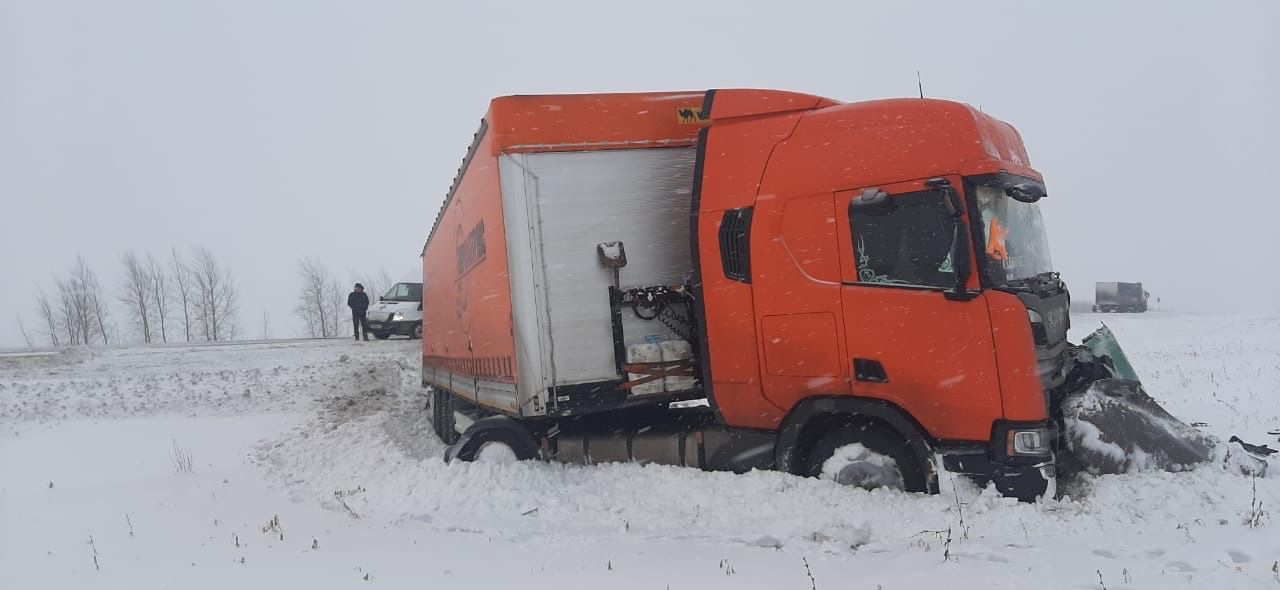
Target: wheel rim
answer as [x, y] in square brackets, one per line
[417, 331]
[856, 465]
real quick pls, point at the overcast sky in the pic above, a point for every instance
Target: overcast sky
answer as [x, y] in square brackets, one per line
[268, 131]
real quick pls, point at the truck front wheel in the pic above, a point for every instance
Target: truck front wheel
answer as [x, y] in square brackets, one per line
[865, 455]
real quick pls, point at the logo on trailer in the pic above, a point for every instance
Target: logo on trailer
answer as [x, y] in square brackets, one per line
[471, 250]
[690, 116]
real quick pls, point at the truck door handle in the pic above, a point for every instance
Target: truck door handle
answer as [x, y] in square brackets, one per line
[869, 370]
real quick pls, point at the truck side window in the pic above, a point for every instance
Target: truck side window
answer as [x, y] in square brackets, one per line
[908, 242]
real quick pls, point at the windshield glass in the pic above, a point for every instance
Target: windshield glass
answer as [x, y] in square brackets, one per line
[404, 292]
[1017, 246]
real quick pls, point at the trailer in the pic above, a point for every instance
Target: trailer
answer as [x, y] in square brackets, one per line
[1120, 297]
[748, 279]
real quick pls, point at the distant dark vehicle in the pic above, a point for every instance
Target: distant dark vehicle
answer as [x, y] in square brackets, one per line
[1120, 297]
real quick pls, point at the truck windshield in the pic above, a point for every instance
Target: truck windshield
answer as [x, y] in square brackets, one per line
[1015, 241]
[404, 292]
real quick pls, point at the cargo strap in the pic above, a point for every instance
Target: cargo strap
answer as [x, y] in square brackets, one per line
[657, 370]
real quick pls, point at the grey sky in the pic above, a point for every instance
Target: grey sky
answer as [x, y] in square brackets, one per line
[268, 131]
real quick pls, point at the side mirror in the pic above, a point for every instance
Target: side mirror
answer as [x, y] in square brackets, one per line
[950, 197]
[960, 251]
[1027, 192]
[613, 255]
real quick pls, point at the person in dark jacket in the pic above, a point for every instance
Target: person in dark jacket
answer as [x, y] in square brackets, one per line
[358, 301]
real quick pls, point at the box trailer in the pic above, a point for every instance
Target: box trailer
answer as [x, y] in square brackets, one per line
[534, 327]
[737, 279]
[1120, 297]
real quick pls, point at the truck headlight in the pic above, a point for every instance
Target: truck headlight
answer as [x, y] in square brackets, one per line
[1028, 442]
[1035, 316]
[397, 316]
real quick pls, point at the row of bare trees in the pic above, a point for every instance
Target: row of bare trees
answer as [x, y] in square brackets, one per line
[194, 292]
[322, 302]
[179, 297]
[79, 311]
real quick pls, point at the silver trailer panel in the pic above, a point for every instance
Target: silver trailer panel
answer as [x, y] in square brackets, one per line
[557, 207]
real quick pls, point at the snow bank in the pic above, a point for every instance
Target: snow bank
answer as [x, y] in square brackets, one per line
[332, 438]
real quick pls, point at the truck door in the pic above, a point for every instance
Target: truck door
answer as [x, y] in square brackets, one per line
[908, 342]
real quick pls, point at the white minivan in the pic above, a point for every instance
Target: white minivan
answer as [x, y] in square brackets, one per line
[399, 311]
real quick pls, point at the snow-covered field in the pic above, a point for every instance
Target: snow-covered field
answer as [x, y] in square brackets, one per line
[311, 464]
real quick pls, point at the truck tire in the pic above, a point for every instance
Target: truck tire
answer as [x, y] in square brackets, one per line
[416, 332]
[382, 335]
[501, 433]
[880, 441]
[442, 416]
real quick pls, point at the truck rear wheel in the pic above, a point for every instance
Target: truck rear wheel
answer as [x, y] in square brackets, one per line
[865, 455]
[442, 416]
[494, 439]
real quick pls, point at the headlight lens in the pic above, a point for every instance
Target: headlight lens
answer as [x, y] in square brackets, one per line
[1035, 316]
[1026, 442]
[397, 316]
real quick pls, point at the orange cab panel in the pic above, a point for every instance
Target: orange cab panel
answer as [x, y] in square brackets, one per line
[1024, 397]
[907, 342]
[734, 156]
[795, 280]
[801, 345]
[935, 357]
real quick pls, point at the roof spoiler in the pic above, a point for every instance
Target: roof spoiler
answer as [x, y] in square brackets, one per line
[733, 103]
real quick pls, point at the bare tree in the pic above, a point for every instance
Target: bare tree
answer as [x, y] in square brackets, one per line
[337, 304]
[266, 325]
[82, 307]
[217, 301]
[96, 301]
[381, 284]
[384, 282]
[159, 280]
[182, 278]
[376, 285]
[49, 316]
[137, 293]
[26, 336]
[315, 299]
[70, 318]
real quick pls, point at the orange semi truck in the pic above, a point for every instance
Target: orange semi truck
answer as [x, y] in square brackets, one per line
[748, 279]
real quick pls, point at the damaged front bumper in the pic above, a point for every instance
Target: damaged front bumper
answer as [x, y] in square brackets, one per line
[1019, 460]
[1024, 479]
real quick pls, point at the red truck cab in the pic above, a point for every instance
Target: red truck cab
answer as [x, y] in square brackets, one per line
[877, 250]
